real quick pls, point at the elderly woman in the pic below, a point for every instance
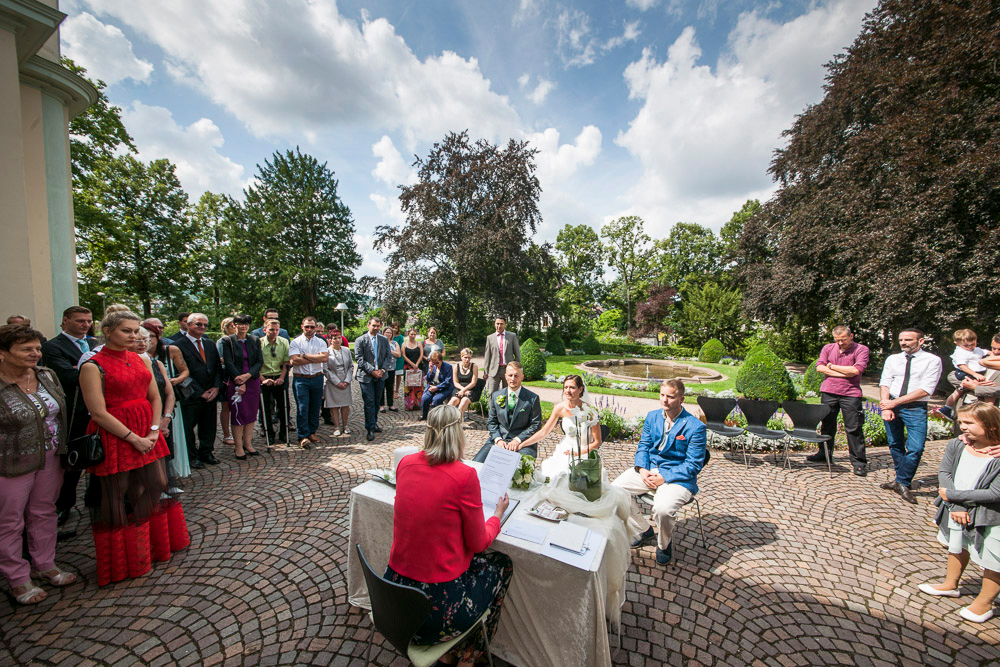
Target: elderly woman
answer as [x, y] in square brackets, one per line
[33, 431]
[439, 536]
[338, 371]
[242, 358]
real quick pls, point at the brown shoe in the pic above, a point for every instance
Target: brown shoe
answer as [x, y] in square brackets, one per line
[907, 495]
[305, 444]
[313, 438]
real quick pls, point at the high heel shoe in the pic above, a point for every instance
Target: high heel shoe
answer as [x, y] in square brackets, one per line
[241, 458]
[253, 452]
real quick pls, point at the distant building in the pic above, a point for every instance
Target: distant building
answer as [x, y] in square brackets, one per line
[38, 97]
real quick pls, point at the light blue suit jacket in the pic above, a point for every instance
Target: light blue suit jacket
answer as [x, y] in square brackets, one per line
[681, 456]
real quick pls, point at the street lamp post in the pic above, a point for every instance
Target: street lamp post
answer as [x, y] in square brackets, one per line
[103, 305]
[341, 307]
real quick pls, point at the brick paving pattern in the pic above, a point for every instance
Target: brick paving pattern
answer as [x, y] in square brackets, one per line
[798, 570]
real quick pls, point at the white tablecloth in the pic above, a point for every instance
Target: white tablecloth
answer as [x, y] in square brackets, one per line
[554, 613]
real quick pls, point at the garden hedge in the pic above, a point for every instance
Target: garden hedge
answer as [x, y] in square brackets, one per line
[638, 349]
[763, 376]
[532, 360]
[712, 351]
[591, 345]
[555, 344]
[813, 378]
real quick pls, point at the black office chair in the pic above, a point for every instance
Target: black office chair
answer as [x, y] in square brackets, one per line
[758, 413]
[398, 611]
[716, 410]
[805, 421]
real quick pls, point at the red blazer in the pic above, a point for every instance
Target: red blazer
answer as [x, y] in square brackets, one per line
[437, 523]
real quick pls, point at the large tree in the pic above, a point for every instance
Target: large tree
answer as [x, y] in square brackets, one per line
[581, 260]
[628, 252]
[293, 238]
[689, 250]
[466, 242]
[889, 193]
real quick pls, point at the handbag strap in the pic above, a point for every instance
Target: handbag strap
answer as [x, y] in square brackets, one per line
[76, 394]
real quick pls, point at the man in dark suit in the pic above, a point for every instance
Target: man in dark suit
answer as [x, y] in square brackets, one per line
[371, 353]
[515, 416]
[198, 406]
[440, 384]
[182, 323]
[62, 354]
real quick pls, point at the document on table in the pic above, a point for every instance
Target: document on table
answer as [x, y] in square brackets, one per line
[585, 561]
[495, 477]
[526, 531]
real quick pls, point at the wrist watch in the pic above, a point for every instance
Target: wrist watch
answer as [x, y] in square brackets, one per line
[154, 427]
[638, 468]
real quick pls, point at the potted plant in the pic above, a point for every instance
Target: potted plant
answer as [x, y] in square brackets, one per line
[585, 469]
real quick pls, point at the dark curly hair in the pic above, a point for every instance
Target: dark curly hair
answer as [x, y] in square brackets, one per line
[13, 334]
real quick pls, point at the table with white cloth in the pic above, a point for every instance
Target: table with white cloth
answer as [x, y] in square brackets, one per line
[553, 614]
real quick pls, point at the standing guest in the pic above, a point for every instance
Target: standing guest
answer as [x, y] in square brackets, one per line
[431, 344]
[182, 324]
[502, 348]
[468, 384]
[143, 346]
[843, 362]
[337, 390]
[397, 337]
[440, 384]
[124, 403]
[439, 539]
[395, 354]
[371, 354]
[413, 359]
[989, 388]
[62, 355]
[202, 360]
[273, 373]
[515, 415]
[333, 330]
[178, 464]
[670, 454]
[228, 329]
[908, 380]
[968, 514]
[308, 357]
[33, 429]
[967, 360]
[242, 359]
[271, 314]
[19, 319]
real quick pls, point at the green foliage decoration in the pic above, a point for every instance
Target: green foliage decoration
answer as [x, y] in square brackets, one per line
[712, 351]
[532, 360]
[763, 376]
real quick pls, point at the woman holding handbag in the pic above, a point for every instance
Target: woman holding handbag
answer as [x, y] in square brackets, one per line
[124, 403]
[32, 437]
[413, 359]
[338, 371]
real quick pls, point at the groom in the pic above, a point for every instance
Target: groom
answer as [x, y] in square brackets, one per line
[515, 415]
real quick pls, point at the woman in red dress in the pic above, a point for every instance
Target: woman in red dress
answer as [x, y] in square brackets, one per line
[133, 526]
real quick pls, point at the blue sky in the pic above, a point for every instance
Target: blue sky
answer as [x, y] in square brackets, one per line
[667, 109]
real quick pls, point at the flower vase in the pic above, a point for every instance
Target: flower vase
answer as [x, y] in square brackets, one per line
[585, 476]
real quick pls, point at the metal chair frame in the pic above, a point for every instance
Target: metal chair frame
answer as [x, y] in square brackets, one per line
[804, 416]
[716, 410]
[758, 413]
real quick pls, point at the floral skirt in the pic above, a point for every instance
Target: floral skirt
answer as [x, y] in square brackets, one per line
[457, 604]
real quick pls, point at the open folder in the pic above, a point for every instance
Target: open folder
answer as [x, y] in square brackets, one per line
[494, 480]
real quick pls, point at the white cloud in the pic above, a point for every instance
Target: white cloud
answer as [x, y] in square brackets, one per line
[555, 162]
[526, 9]
[577, 46]
[524, 80]
[642, 5]
[371, 262]
[541, 91]
[630, 34]
[194, 149]
[102, 49]
[391, 169]
[287, 71]
[705, 137]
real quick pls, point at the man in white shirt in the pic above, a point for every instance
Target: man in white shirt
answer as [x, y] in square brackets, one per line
[308, 354]
[908, 380]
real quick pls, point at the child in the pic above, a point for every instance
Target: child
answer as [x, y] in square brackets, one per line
[969, 508]
[966, 361]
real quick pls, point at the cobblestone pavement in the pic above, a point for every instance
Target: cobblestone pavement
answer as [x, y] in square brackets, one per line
[799, 569]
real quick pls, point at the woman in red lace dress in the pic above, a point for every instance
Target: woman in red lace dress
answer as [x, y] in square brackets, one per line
[133, 526]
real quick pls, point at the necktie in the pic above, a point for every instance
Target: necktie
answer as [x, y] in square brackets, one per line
[511, 400]
[82, 344]
[500, 341]
[201, 351]
[906, 376]
[375, 347]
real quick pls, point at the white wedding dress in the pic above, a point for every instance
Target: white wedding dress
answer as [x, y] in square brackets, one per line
[558, 463]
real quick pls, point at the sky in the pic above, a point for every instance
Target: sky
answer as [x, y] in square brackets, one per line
[666, 109]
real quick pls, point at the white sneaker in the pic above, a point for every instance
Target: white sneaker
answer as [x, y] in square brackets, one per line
[347, 431]
[174, 490]
[976, 618]
[336, 431]
[930, 590]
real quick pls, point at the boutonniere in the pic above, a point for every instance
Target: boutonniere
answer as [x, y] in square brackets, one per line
[502, 401]
[680, 437]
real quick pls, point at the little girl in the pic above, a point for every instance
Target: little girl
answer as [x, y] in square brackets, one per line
[969, 508]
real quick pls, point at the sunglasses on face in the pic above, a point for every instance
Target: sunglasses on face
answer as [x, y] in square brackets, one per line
[308, 326]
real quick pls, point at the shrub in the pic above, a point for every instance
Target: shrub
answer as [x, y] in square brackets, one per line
[555, 344]
[594, 380]
[763, 376]
[813, 378]
[650, 351]
[712, 351]
[533, 361]
[591, 345]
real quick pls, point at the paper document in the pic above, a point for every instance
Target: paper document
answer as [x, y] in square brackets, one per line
[525, 530]
[496, 474]
[585, 561]
[490, 510]
[569, 536]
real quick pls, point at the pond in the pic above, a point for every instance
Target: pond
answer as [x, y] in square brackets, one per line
[654, 372]
[650, 369]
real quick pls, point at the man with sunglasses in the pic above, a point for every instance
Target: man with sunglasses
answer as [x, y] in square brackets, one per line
[272, 384]
[308, 355]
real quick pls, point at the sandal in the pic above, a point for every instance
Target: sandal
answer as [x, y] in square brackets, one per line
[30, 595]
[229, 441]
[56, 577]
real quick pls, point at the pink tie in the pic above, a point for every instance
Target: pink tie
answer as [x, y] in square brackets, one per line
[500, 339]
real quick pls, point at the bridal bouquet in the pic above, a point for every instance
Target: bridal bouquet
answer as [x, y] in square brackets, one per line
[525, 473]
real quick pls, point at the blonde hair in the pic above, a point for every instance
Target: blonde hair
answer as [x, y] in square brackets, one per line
[963, 336]
[115, 317]
[444, 440]
[144, 333]
[465, 351]
[988, 417]
[435, 355]
[117, 308]
[225, 324]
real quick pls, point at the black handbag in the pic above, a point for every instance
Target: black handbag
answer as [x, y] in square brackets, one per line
[87, 450]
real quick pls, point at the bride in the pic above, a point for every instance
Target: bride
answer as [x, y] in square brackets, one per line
[573, 410]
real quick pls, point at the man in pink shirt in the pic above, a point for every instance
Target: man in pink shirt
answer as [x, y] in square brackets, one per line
[842, 362]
